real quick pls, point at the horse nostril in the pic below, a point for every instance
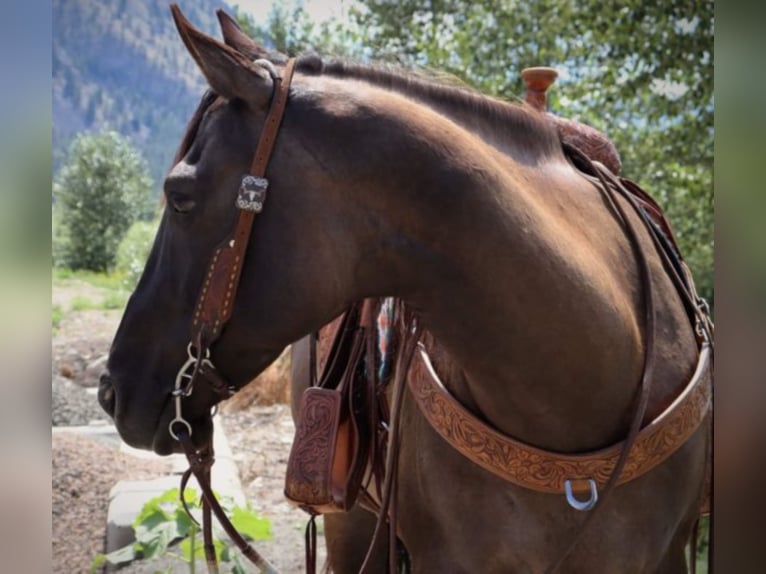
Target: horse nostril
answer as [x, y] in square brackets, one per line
[106, 394]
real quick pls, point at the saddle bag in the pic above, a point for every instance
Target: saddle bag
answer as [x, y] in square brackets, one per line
[329, 455]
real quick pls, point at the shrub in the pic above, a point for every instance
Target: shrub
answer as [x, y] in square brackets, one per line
[101, 190]
[134, 250]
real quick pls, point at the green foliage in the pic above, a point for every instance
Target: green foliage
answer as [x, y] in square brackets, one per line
[122, 65]
[107, 281]
[57, 315]
[82, 303]
[703, 546]
[112, 301]
[641, 72]
[134, 250]
[290, 30]
[163, 522]
[102, 189]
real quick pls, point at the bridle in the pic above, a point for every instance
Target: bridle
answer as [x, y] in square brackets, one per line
[211, 313]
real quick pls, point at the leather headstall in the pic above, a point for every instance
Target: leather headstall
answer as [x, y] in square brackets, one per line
[219, 290]
[212, 311]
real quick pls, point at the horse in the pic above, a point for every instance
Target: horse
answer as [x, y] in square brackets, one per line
[467, 210]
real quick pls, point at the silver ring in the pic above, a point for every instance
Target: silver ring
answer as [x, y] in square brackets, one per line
[581, 505]
[183, 422]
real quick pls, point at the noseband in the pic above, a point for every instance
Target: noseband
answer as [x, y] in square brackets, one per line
[211, 313]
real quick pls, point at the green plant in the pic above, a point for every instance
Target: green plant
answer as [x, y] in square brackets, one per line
[82, 303]
[114, 300]
[134, 250]
[62, 273]
[703, 545]
[57, 314]
[102, 189]
[163, 528]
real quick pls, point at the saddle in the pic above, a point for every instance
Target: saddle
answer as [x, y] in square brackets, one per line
[334, 430]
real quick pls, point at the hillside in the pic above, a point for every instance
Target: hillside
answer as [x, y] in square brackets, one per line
[121, 64]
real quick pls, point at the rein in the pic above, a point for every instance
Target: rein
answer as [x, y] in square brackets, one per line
[213, 310]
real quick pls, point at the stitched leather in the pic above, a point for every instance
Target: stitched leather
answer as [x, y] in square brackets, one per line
[219, 289]
[545, 471]
[331, 446]
[316, 458]
[213, 310]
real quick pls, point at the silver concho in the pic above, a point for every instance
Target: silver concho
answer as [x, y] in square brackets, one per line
[252, 193]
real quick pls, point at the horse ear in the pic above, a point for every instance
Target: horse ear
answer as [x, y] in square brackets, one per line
[234, 36]
[229, 73]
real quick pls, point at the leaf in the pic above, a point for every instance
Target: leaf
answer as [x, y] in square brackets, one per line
[250, 524]
[155, 541]
[148, 518]
[240, 566]
[199, 549]
[190, 496]
[184, 523]
[97, 562]
[151, 513]
[186, 548]
[122, 555]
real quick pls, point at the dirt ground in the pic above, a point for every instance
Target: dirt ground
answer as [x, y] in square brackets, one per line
[257, 424]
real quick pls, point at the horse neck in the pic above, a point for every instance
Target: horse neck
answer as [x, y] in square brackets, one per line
[468, 238]
[496, 122]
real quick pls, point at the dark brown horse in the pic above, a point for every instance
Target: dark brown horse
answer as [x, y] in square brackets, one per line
[468, 211]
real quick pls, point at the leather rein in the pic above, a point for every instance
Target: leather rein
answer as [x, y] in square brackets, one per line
[212, 311]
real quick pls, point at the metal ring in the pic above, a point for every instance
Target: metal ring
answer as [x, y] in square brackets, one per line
[191, 355]
[581, 505]
[183, 422]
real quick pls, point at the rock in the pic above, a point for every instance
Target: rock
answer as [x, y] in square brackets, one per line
[93, 371]
[73, 405]
[66, 370]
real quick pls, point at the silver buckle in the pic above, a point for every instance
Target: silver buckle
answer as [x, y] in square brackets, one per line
[252, 193]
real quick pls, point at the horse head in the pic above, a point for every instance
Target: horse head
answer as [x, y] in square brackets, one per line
[291, 283]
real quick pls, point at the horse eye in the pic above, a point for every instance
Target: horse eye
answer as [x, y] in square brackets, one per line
[180, 203]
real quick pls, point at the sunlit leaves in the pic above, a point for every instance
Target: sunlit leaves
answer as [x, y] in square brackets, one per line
[641, 72]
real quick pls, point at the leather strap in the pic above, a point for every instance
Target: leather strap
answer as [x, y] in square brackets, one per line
[610, 467]
[200, 461]
[219, 290]
[544, 471]
[213, 310]
[387, 509]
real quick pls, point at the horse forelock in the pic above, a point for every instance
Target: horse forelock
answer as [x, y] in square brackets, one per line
[193, 126]
[529, 126]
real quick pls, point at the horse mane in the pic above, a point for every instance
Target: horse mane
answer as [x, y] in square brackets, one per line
[528, 125]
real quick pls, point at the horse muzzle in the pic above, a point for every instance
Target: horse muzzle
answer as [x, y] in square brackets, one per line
[106, 396]
[143, 428]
